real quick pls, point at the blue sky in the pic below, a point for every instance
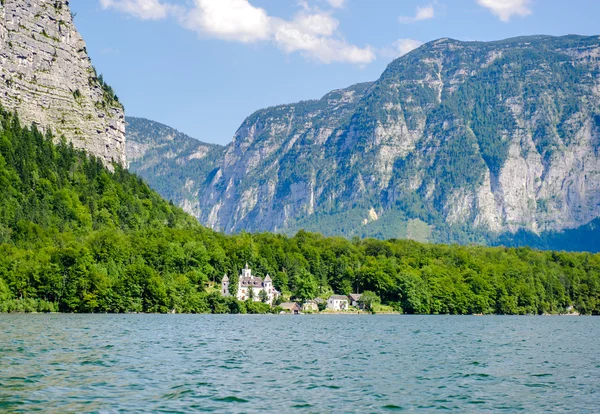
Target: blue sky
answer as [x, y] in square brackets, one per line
[202, 66]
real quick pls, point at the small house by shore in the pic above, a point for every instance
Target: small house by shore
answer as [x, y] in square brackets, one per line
[355, 299]
[291, 307]
[338, 303]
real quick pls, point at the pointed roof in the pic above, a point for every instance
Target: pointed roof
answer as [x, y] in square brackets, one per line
[247, 268]
[225, 278]
[268, 278]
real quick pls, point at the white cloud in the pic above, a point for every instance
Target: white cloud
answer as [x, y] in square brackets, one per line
[336, 3]
[228, 19]
[317, 42]
[403, 46]
[422, 13]
[400, 47]
[142, 9]
[311, 32]
[505, 9]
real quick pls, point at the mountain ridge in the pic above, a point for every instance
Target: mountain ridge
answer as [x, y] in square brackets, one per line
[421, 145]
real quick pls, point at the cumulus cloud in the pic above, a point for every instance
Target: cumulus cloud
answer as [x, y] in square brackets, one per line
[400, 48]
[142, 9]
[315, 44]
[403, 46]
[505, 9]
[228, 19]
[312, 32]
[422, 13]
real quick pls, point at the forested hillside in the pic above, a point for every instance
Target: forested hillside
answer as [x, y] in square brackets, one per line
[76, 237]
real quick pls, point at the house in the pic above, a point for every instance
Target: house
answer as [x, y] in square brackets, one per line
[354, 299]
[310, 306]
[291, 307]
[250, 285]
[338, 302]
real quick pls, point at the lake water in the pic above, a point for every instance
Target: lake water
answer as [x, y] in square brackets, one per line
[322, 364]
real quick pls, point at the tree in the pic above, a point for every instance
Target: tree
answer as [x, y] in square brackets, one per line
[368, 300]
[306, 286]
[263, 296]
[4, 291]
[250, 293]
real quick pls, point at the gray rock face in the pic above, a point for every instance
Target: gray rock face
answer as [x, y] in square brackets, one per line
[47, 77]
[457, 141]
[175, 164]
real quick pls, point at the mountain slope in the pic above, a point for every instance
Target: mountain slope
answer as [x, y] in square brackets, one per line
[77, 237]
[47, 77]
[176, 164]
[457, 141]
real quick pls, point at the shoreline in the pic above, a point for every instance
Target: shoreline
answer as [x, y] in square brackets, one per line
[301, 314]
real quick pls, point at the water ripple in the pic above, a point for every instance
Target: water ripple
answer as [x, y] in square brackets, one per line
[251, 363]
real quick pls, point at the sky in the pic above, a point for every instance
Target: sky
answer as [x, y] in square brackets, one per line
[203, 66]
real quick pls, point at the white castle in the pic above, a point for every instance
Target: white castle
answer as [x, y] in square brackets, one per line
[249, 284]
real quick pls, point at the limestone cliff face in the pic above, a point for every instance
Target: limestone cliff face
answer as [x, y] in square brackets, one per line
[47, 77]
[175, 164]
[457, 141]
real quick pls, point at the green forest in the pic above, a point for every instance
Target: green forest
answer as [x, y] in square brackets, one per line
[78, 237]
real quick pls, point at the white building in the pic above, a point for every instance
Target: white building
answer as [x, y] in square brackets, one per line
[355, 299]
[249, 284]
[337, 302]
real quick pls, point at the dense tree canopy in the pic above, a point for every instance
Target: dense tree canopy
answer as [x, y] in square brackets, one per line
[77, 237]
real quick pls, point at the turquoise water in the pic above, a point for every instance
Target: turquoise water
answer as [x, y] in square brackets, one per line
[246, 363]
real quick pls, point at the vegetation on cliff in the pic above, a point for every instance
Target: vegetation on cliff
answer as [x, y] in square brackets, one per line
[76, 237]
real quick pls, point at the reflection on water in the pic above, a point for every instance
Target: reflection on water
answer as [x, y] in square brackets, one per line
[245, 363]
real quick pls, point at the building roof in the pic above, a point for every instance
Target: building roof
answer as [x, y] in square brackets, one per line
[290, 305]
[338, 297]
[268, 278]
[251, 281]
[355, 296]
[225, 278]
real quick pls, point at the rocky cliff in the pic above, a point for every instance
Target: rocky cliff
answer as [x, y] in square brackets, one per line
[457, 141]
[47, 77]
[176, 164]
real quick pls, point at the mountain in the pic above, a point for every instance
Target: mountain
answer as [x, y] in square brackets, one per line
[48, 78]
[455, 142]
[175, 163]
[78, 237]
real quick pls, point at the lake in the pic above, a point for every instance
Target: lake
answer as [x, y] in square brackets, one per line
[321, 364]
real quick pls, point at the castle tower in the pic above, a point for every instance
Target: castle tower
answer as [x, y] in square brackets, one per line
[268, 287]
[246, 272]
[225, 286]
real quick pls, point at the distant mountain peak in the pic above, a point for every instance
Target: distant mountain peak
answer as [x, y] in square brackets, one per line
[456, 141]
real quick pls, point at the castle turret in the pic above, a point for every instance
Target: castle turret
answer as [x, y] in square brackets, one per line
[246, 272]
[225, 285]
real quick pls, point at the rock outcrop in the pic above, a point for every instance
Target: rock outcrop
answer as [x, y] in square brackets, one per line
[176, 164]
[457, 141]
[48, 78]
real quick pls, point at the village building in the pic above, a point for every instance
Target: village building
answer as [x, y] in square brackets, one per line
[250, 285]
[291, 307]
[310, 306]
[338, 303]
[355, 299]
